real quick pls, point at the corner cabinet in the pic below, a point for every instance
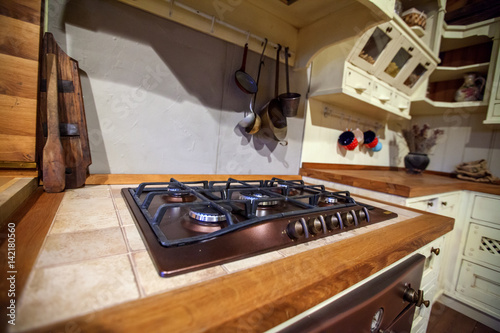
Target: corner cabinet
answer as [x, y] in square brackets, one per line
[465, 49]
[375, 74]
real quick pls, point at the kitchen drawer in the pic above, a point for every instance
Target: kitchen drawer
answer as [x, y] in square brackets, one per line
[448, 204]
[429, 205]
[401, 102]
[481, 284]
[486, 209]
[360, 82]
[483, 244]
[381, 94]
[444, 204]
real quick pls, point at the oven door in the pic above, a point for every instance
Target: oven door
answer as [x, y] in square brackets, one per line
[384, 304]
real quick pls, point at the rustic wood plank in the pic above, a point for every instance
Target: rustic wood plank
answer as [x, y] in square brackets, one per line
[19, 38]
[21, 116]
[19, 77]
[17, 148]
[259, 298]
[24, 10]
[33, 220]
[102, 179]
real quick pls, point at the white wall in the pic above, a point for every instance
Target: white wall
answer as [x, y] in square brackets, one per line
[161, 98]
[322, 133]
[466, 139]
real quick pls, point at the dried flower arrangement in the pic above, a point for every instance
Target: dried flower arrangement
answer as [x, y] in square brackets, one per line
[421, 140]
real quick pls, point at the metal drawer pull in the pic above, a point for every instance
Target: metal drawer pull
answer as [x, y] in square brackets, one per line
[436, 251]
[444, 203]
[430, 204]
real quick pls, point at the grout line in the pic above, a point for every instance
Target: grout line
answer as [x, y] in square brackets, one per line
[138, 284]
[140, 287]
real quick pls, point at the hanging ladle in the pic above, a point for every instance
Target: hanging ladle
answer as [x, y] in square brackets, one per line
[243, 80]
[252, 122]
[289, 101]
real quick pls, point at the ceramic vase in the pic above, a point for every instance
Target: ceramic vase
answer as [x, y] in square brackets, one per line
[471, 88]
[416, 163]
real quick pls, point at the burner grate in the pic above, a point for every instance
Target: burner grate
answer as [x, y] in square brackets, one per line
[226, 198]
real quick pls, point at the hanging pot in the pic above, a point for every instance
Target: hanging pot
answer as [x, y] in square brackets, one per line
[289, 101]
[273, 115]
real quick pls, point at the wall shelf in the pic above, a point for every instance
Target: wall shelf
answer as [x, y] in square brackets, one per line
[430, 107]
[445, 73]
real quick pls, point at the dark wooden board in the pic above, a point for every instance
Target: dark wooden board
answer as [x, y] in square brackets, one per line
[71, 111]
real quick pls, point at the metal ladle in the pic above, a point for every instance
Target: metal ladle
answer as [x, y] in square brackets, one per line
[252, 122]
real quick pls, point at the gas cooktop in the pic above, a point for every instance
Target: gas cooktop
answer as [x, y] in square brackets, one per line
[192, 225]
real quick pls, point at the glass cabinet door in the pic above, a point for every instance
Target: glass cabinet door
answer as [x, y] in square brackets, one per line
[373, 47]
[405, 54]
[410, 79]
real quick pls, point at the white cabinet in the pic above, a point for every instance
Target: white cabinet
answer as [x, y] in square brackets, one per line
[374, 75]
[474, 273]
[375, 47]
[443, 204]
[430, 282]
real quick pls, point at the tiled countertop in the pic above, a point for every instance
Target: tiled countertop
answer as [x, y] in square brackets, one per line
[94, 258]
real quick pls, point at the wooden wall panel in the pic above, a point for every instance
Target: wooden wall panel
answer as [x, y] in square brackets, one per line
[20, 28]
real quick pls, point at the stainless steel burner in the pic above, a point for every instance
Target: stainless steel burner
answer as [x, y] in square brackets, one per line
[254, 195]
[207, 214]
[175, 194]
[330, 200]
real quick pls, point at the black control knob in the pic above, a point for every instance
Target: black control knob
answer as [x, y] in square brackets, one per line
[314, 226]
[294, 230]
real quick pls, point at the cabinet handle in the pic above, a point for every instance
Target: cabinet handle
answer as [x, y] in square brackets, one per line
[427, 63]
[444, 203]
[436, 251]
[410, 49]
[389, 29]
[430, 204]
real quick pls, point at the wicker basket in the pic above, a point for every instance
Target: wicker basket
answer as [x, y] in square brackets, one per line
[414, 17]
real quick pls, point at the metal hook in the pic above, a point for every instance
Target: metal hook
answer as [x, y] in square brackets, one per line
[171, 10]
[212, 26]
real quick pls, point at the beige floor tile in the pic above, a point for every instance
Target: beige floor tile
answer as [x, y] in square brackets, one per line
[79, 214]
[59, 293]
[152, 283]
[134, 238]
[70, 247]
[252, 261]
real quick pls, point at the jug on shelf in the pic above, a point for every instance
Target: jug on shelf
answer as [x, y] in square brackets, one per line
[471, 89]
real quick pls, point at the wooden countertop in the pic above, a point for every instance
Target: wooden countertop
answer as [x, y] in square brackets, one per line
[252, 300]
[392, 181]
